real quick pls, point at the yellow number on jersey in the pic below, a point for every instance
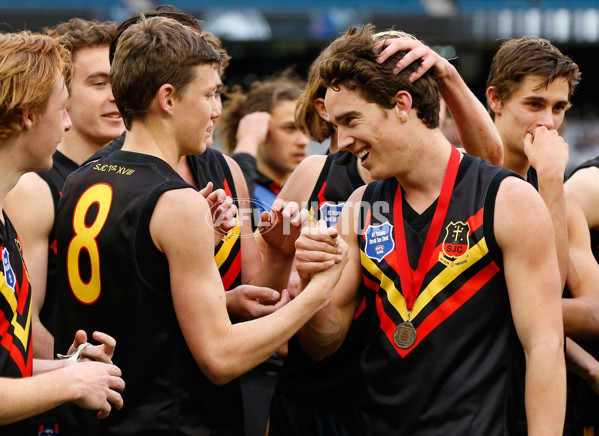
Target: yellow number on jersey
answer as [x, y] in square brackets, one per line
[85, 239]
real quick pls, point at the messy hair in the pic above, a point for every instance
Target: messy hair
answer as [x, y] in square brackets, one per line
[29, 67]
[351, 63]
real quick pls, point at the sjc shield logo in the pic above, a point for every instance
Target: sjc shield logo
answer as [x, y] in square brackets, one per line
[379, 241]
[456, 243]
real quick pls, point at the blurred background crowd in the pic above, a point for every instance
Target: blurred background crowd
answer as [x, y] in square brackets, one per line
[267, 36]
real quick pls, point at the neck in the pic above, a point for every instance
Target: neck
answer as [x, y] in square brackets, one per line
[184, 170]
[422, 184]
[10, 167]
[517, 162]
[153, 139]
[78, 148]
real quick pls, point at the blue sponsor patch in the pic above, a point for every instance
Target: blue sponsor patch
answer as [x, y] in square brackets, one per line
[330, 212]
[379, 241]
[9, 275]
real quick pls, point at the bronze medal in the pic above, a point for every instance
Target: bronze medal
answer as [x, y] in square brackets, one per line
[405, 335]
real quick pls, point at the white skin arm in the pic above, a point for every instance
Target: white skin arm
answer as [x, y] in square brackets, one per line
[522, 226]
[584, 183]
[478, 134]
[547, 153]
[222, 350]
[31, 209]
[581, 312]
[325, 332]
[298, 188]
[91, 385]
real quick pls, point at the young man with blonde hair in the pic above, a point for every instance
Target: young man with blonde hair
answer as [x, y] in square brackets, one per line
[33, 202]
[33, 119]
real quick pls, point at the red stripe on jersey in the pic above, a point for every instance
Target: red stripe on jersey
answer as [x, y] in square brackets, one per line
[360, 308]
[446, 308]
[227, 188]
[54, 247]
[321, 198]
[234, 270]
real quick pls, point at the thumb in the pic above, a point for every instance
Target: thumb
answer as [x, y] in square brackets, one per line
[207, 189]
[261, 293]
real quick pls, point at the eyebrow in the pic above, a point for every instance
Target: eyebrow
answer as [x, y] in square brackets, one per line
[544, 100]
[97, 74]
[343, 115]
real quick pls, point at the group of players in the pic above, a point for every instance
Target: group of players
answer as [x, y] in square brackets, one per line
[439, 291]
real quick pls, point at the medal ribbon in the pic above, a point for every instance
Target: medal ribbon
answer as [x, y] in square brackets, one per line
[411, 281]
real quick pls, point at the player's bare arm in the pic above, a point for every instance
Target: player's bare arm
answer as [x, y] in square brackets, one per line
[31, 209]
[522, 226]
[222, 350]
[325, 332]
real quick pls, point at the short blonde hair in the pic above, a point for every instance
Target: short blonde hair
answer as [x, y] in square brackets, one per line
[29, 65]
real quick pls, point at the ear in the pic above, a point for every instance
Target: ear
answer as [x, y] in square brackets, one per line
[494, 101]
[165, 98]
[320, 109]
[27, 118]
[403, 105]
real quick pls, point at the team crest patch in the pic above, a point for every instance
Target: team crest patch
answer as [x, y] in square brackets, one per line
[455, 244]
[330, 212]
[9, 274]
[379, 242]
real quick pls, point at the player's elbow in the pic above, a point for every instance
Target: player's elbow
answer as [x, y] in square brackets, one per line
[219, 371]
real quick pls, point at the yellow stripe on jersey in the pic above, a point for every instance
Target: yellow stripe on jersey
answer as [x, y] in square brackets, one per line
[228, 242]
[434, 287]
[21, 333]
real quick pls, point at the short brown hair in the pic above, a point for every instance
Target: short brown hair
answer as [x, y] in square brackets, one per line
[306, 117]
[29, 65]
[262, 96]
[352, 63]
[529, 56]
[169, 11]
[150, 53]
[80, 33]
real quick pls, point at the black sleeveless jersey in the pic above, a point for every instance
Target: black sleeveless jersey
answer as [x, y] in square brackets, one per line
[55, 177]
[112, 278]
[338, 179]
[332, 382]
[16, 351]
[209, 166]
[583, 402]
[454, 379]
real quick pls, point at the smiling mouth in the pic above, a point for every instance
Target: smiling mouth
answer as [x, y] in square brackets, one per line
[113, 116]
[363, 155]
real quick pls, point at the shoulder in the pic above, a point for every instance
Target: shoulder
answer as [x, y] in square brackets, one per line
[584, 180]
[179, 211]
[31, 192]
[520, 208]
[302, 181]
